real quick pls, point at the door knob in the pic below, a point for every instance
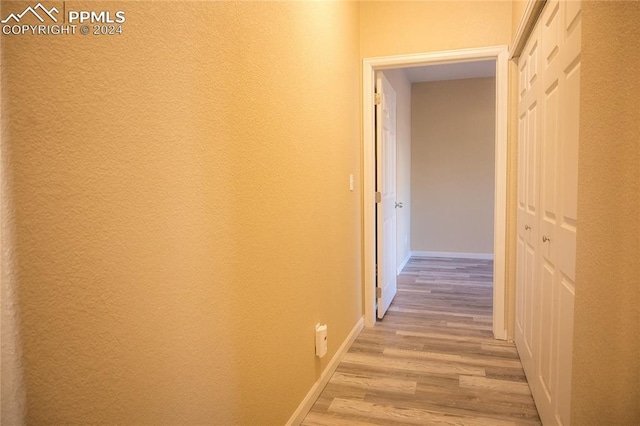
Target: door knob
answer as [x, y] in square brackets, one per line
[398, 205]
[545, 239]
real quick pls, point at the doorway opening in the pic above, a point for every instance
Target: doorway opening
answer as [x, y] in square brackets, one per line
[498, 56]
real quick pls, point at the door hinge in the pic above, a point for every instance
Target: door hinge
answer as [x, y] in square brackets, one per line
[378, 292]
[378, 197]
[377, 99]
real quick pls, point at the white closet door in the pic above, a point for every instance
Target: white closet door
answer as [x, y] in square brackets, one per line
[528, 195]
[548, 144]
[560, 105]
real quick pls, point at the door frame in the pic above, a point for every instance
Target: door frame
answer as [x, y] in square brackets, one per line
[369, 67]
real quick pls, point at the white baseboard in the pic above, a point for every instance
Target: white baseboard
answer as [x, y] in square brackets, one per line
[403, 264]
[455, 255]
[305, 406]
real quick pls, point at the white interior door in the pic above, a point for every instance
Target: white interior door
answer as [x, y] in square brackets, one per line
[527, 206]
[386, 187]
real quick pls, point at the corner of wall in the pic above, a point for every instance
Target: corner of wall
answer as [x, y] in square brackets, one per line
[307, 403]
[12, 403]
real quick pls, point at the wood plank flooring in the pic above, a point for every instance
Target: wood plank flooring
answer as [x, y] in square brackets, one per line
[432, 359]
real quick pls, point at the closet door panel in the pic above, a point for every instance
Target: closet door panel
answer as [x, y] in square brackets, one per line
[546, 377]
[566, 229]
[527, 327]
[546, 366]
[548, 132]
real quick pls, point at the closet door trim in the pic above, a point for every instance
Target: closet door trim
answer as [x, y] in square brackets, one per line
[531, 13]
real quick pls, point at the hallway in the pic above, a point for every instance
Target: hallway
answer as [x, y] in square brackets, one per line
[432, 360]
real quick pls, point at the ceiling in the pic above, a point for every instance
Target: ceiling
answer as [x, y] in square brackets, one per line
[455, 71]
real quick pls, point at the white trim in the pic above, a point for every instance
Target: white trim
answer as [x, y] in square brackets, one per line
[305, 406]
[404, 263]
[369, 66]
[453, 255]
[368, 193]
[525, 26]
[500, 198]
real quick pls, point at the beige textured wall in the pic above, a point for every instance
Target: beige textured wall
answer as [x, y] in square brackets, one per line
[606, 364]
[402, 86]
[519, 7]
[453, 165]
[398, 27]
[178, 229]
[12, 391]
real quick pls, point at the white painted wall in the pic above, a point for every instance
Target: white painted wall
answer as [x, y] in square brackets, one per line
[452, 166]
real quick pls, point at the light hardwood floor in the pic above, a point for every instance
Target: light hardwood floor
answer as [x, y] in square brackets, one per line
[432, 359]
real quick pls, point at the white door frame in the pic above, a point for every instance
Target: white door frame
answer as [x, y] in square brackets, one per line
[369, 67]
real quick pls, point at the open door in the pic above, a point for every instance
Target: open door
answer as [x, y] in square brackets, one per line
[385, 194]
